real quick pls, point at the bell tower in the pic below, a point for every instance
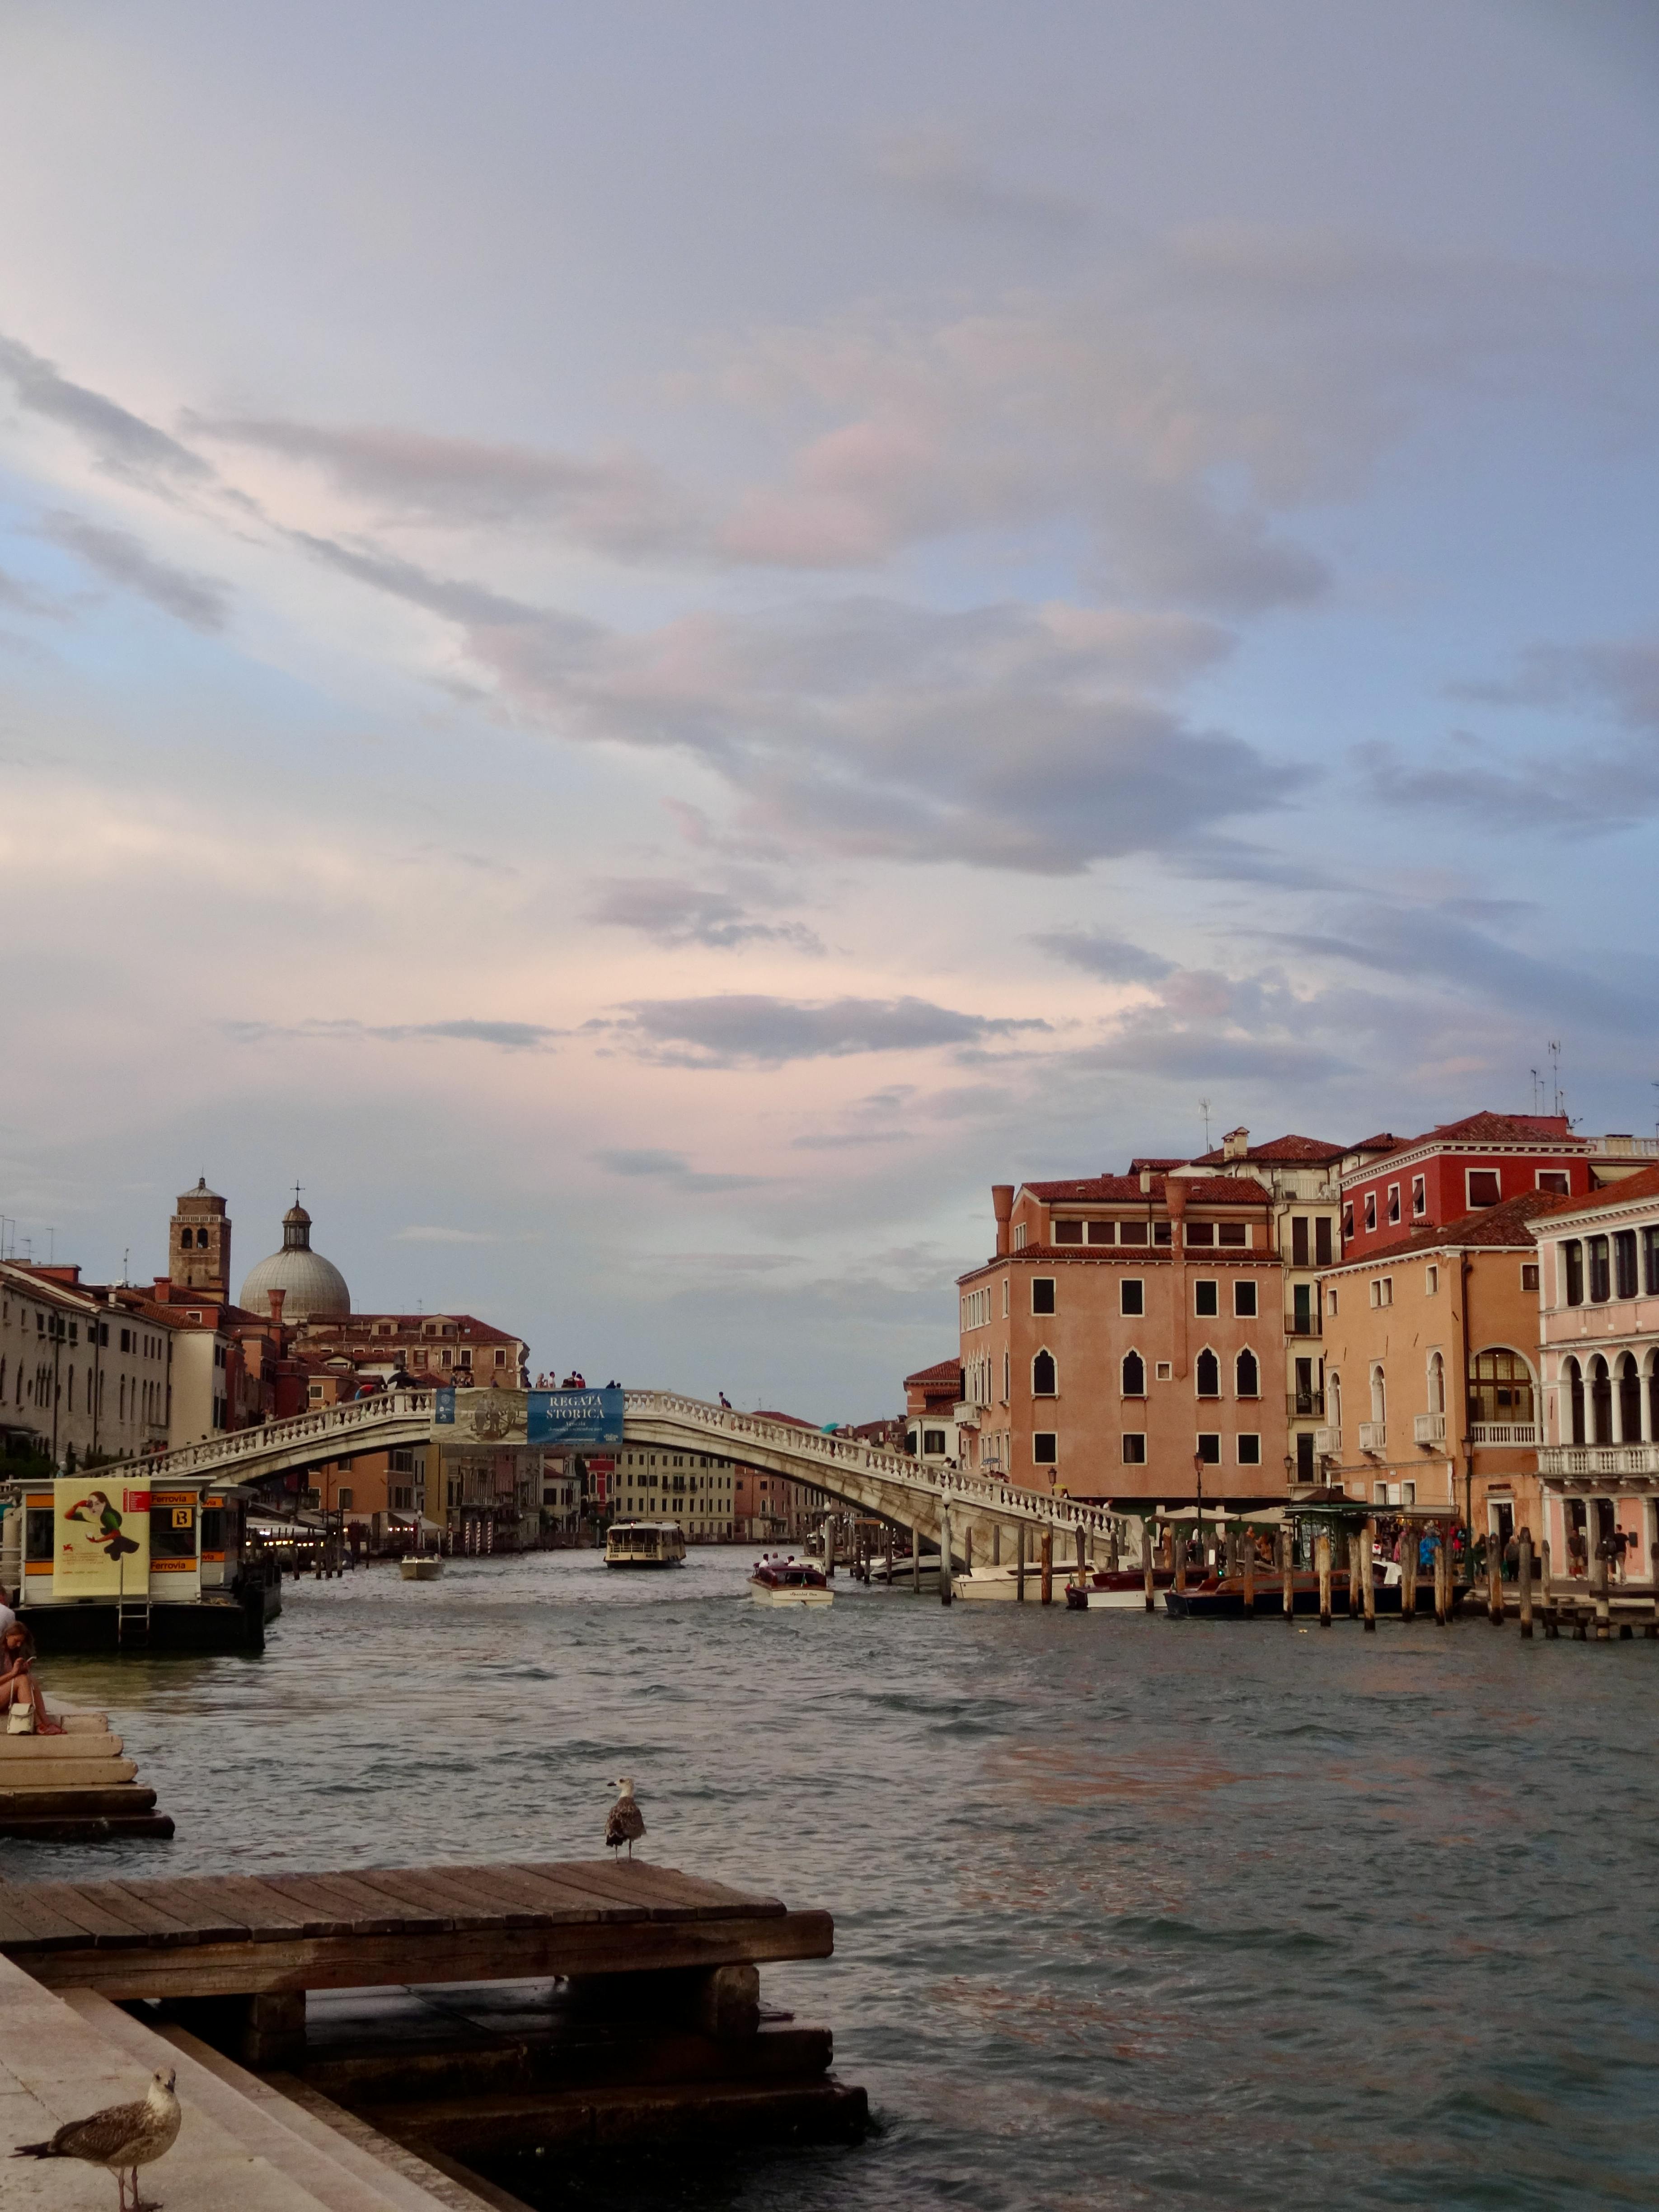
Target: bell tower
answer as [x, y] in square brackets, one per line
[198, 1242]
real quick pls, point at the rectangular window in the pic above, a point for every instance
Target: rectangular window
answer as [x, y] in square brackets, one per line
[1244, 1300]
[1042, 1294]
[1209, 1450]
[1134, 1450]
[1330, 1302]
[1004, 1298]
[1556, 1181]
[1068, 1232]
[1131, 1232]
[1206, 1299]
[1132, 1297]
[1623, 1263]
[1165, 1371]
[1386, 1289]
[1431, 1282]
[1160, 1232]
[1100, 1233]
[1370, 1211]
[1393, 1204]
[1484, 1187]
[1572, 1272]
[1651, 1262]
[1322, 1241]
[1249, 1451]
[1347, 1223]
[1601, 1278]
[1233, 1232]
[1201, 1232]
[1419, 1196]
[1299, 1240]
[1529, 1275]
[1044, 1448]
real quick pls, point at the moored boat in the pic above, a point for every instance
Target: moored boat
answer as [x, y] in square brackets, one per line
[421, 1567]
[1115, 1589]
[778, 1581]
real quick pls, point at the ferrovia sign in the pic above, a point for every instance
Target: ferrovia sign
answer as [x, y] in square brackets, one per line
[575, 1417]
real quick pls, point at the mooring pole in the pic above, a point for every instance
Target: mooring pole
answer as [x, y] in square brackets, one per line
[915, 1560]
[1322, 1558]
[1047, 1566]
[1408, 1575]
[945, 1591]
[1368, 1550]
[1287, 1569]
[1523, 1580]
[1147, 1563]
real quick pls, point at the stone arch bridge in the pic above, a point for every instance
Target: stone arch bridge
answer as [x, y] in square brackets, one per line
[939, 1504]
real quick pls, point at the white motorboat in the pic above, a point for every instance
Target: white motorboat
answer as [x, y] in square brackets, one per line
[789, 1581]
[977, 1584]
[421, 1567]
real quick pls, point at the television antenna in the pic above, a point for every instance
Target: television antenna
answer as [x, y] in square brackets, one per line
[1204, 1109]
[1554, 1049]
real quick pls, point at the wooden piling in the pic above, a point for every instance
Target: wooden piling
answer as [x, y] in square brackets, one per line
[1523, 1580]
[1652, 1628]
[1408, 1575]
[1322, 1560]
[1442, 1582]
[1020, 1566]
[915, 1560]
[1082, 1555]
[1495, 1580]
[945, 1592]
[1047, 1566]
[1178, 1552]
[996, 1543]
[1287, 1570]
[830, 1547]
[1546, 1593]
[1247, 1562]
[888, 1550]
[1599, 1592]
[1146, 1564]
[1368, 1552]
[1356, 1602]
[968, 1549]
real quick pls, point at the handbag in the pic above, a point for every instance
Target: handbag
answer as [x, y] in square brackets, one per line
[20, 1721]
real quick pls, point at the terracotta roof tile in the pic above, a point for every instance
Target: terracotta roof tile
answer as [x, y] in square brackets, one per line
[1503, 1227]
[942, 1370]
[1119, 1190]
[1644, 1183]
[1309, 1151]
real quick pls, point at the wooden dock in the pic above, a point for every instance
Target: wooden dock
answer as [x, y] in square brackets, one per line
[479, 2011]
[77, 1787]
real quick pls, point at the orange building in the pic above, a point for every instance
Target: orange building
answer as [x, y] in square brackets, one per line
[931, 1397]
[1430, 1368]
[1127, 1340]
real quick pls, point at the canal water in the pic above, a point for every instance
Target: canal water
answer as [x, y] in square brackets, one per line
[1128, 1911]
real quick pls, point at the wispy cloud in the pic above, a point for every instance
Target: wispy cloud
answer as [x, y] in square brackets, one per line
[672, 912]
[123, 443]
[673, 1169]
[1114, 959]
[506, 1037]
[737, 1029]
[122, 560]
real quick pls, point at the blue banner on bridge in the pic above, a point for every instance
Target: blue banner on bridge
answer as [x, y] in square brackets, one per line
[443, 1409]
[577, 1418]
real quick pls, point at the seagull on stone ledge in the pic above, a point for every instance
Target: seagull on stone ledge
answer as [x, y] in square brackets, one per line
[121, 2138]
[625, 1823]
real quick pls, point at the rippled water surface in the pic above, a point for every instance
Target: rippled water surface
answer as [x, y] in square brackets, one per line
[1128, 1911]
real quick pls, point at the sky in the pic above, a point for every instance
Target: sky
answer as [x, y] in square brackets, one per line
[645, 646]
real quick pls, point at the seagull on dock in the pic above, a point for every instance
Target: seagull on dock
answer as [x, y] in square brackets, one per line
[625, 1823]
[121, 2138]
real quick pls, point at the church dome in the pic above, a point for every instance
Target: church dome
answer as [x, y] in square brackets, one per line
[313, 1284]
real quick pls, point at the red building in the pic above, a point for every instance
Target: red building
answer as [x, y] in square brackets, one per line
[1393, 1187]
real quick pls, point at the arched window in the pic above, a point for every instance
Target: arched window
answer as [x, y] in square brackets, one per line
[1043, 1384]
[1208, 1373]
[1601, 1406]
[1630, 1400]
[1379, 1396]
[1437, 1384]
[1247, 1375]
[1333, 1400]
[201, 1240]
[1134, 1375]
[1500, 1388]
[1574, 1376]
[184, 1240]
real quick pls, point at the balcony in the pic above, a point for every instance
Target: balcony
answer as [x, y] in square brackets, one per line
[1428, 1429]
[1373, 1435]
[1328, 1442]
[1579, 1461]
[1302, 1321]
[1305, 1404]
[1503, 1433]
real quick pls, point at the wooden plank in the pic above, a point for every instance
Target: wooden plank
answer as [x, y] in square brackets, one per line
[42, 1804]
[104, 1924]
[378, 1910]
[261, 1914]
[463, 1899]
[674, 1890]
[345, 1908]
[563, 1901]
[360, 1961]
[177, 1919]
[27, 1923]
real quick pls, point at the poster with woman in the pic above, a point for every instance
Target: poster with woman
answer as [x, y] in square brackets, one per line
[102, 1537]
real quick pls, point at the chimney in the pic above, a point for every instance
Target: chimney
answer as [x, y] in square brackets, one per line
[1146, 1181]
[276, 1297]
[1236, 1144]
[1002, 1205]
[1175, 1197]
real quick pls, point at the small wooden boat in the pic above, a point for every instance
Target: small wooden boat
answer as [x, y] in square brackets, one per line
[789, 1581]
[645, 1544]
[1115, 1589]
[421, 1567]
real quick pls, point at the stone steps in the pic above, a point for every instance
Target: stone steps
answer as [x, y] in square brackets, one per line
[59, 1787]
